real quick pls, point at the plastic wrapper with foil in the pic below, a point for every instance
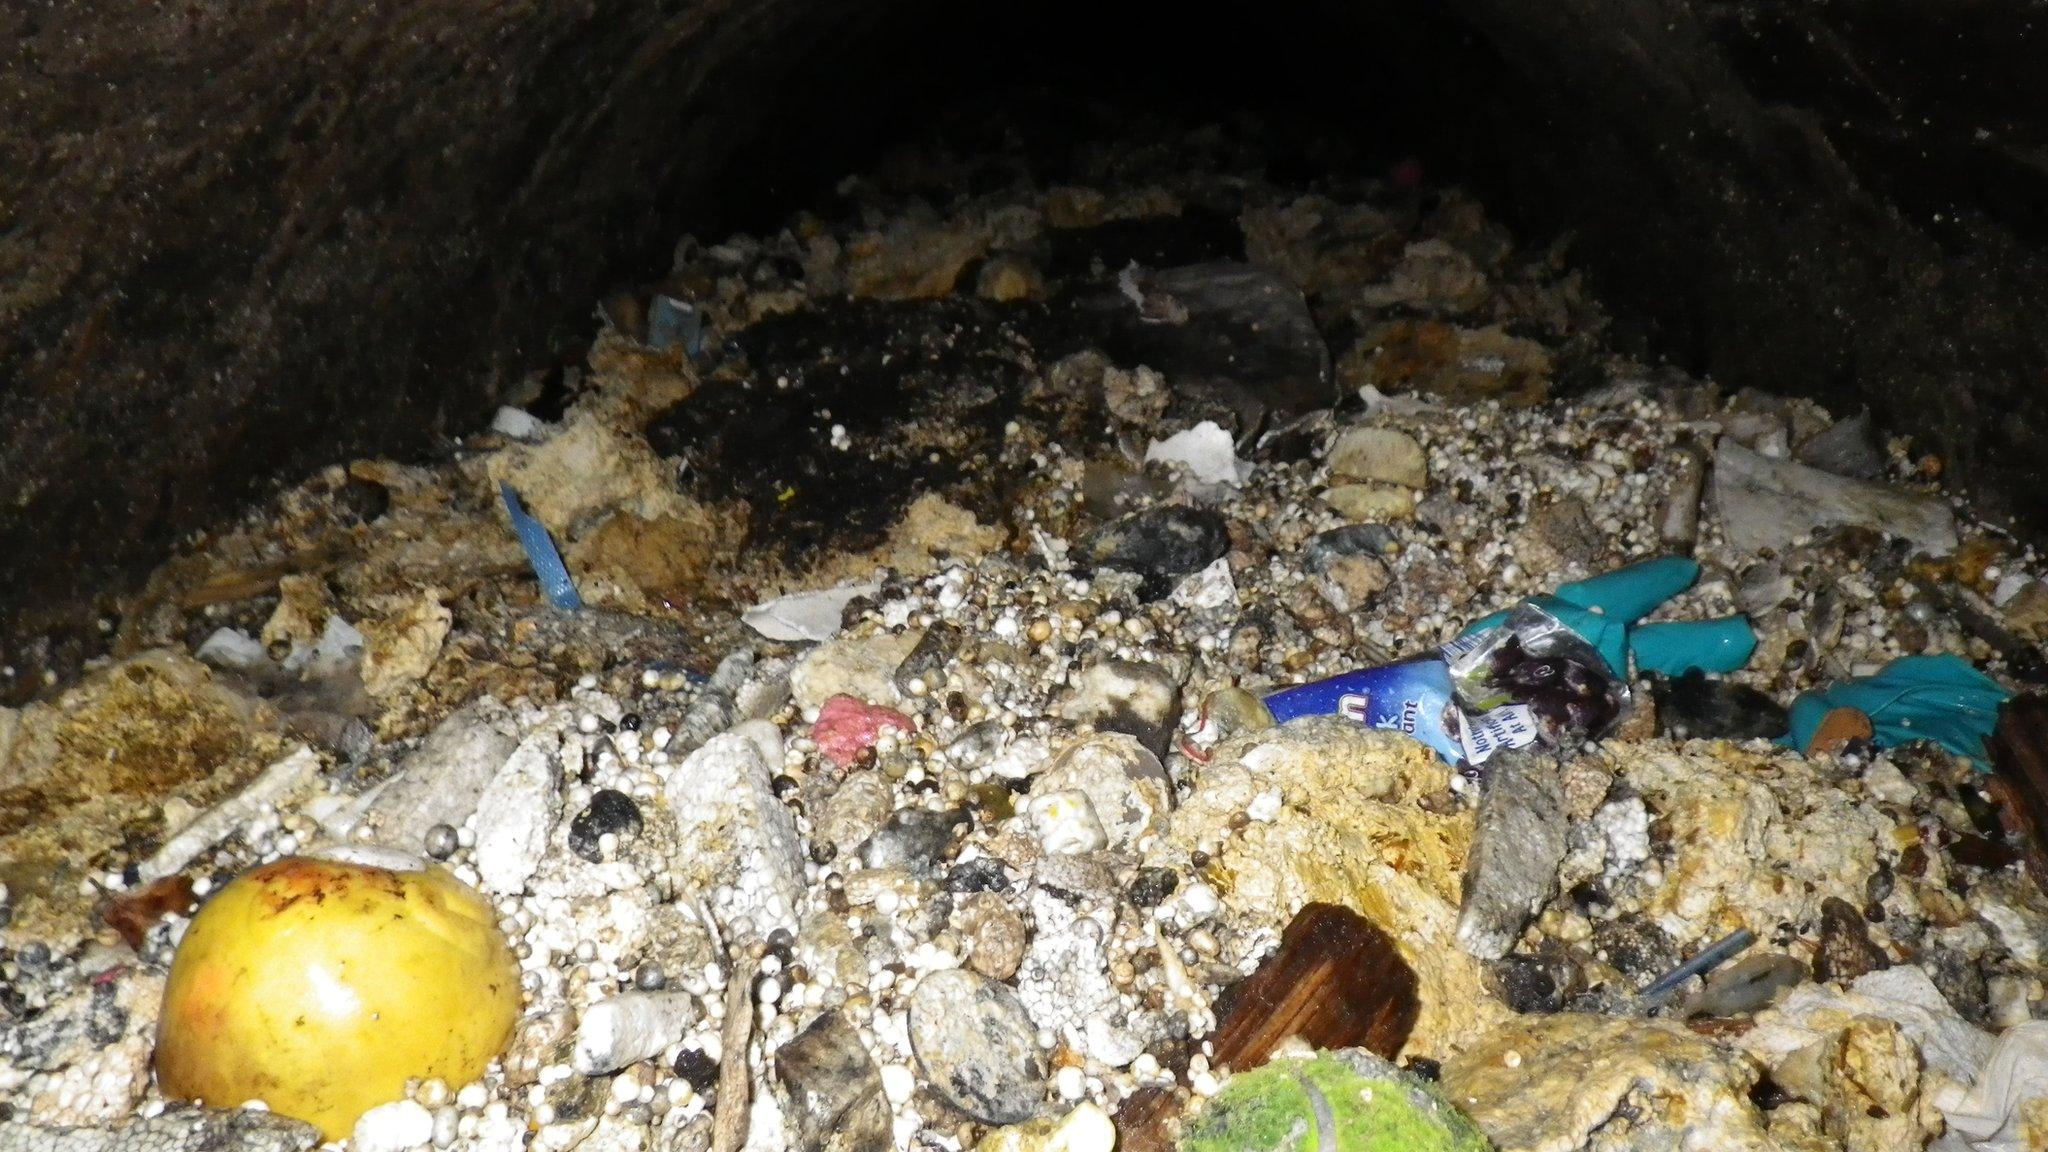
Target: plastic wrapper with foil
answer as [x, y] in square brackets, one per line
[1525, 679]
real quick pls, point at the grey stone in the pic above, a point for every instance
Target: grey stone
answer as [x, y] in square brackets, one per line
[176, 1130]
[855, 811]
[1748, 985]
[1137, 699]
[1376, 540]
[1767, 503]
[831, 1090]
[1845, 950]
[975, 1047]
[1635, 946]
[1847, 448]
[1520, 838]
[927, 662]
[913, 839]
[1159, 545]
[1240, 333]
[516, 816]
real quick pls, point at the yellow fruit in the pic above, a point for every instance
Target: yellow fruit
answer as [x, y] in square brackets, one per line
[320, 987]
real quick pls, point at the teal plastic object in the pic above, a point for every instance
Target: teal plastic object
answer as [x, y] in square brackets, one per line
[1680, 646]
[1603, 608]
[1626, 595]
[1937, 698]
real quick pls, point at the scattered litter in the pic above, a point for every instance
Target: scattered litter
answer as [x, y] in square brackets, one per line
[1080, 783]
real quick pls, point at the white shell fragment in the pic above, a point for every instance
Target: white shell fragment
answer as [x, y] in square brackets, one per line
[631, 1027]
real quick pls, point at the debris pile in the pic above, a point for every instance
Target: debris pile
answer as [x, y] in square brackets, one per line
[857, 695]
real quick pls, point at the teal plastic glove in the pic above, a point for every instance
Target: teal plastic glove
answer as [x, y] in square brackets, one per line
[1675, 647]
[1605, 608]
[1939, 698]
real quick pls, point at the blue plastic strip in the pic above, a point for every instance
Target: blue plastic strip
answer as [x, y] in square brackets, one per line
[1711, 957]
[541, 553]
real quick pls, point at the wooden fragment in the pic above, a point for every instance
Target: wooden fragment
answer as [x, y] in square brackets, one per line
[1338, 981]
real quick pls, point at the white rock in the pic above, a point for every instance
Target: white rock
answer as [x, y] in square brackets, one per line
[441, 782]
[1903, 994]
[1021, 760]
[1127, 787]
[1086, 1129]
[517, 423]
[1625, 825]
[1767, 503]
[898, 1083]
[631, 1027]
[1206, 451]
[518, 811]
[1112, 1045]
[1066, 822]
[281, 779]
[237, 651]
[737, 846]
[393, 1127]
[1212, 587]
[805, 615]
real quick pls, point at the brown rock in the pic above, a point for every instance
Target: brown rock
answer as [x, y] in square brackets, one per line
[996, 936]
[1006, 279]
[913, 260]
[1846, 950]
[400, 649]
[133, 914]
[303, 606]
[1458, 365]
[646, 562]
[1149, 1120]
[94, 771]
[2019, 758]
[1337, 982]
[1351, 582]
[1558, 536]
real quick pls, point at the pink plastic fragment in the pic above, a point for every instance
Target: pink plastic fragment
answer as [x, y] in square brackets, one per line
[848, 726]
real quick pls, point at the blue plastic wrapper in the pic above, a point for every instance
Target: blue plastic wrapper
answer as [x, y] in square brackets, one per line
[1414, 698]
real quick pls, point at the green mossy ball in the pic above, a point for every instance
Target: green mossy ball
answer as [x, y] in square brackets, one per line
[1366, 1105]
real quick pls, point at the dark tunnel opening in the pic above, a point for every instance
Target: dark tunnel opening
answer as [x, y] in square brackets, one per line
[349, 237]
